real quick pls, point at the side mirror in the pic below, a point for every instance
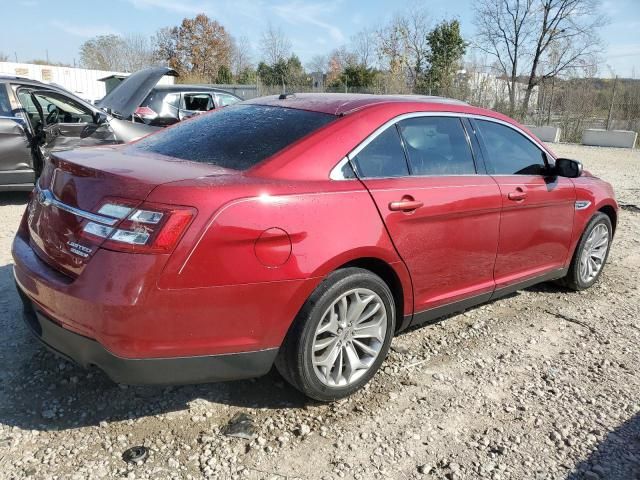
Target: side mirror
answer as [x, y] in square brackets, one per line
[99, 118]
[566, 167]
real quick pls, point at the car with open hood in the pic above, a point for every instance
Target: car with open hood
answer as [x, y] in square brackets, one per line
[201, 253]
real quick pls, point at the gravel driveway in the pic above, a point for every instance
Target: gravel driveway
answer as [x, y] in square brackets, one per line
[542, 384]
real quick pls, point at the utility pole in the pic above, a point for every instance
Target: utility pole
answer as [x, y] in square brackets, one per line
[613, 97]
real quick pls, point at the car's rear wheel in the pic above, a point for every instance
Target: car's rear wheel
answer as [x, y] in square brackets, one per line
[340, 337]
[591, 253]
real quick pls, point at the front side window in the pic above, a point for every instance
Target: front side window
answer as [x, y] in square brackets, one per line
[226, 100]
[236, 137]
[510, 152]
[383, 157]
[437, 146]
[60, 109]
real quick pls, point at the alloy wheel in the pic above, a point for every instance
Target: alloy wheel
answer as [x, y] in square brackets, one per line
[594, 253]
[349, 337]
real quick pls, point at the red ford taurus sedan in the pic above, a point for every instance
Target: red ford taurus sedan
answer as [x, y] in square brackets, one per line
[303, 231]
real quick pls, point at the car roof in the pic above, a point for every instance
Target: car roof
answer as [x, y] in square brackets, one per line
[189, 88]
[24, 81]
[345, 103]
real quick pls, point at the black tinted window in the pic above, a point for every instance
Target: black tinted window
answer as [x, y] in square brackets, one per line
[236, 137]
[437, 146]
[510, 153]
[383, 157]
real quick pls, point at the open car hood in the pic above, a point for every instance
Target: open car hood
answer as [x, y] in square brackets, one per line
[123, 100]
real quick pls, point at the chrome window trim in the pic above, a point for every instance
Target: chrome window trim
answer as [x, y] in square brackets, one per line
[46, 197]
[336, 174]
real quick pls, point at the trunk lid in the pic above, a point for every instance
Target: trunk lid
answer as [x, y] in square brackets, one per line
[75, 184]
[123, 100]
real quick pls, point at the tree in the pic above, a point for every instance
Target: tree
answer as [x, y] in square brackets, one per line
[446, 49]
[285, 72]
[241, 56]
[197, 49]
[318, 63]
[364, 45]
[203, 46]
[102, 53]
[275, 46]
[114, 52]
[357, 76]
[402, 47]
[4, 57]
[539, 39]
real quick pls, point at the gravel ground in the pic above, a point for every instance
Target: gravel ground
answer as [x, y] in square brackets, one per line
[542, 384]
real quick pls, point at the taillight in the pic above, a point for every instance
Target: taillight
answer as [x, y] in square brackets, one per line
[148, 228]
[145, 112]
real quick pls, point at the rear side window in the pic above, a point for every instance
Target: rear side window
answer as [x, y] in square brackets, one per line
[236, 137]
[510, 153]
[198, 102]
[383, 157]
[437, 146]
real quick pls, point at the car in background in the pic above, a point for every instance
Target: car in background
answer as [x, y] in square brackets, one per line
[37, 119]
[169, 104]
[204, 253]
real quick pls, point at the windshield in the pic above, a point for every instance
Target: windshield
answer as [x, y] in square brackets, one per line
[236, 137]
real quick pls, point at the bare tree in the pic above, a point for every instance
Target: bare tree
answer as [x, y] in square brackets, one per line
[537, 39]
[241, 55]
[318, 63]
[137, 52]
[275, 46]
[503, 31]
[415, 27]
[364, 46]
[4, 57]
[566, 38]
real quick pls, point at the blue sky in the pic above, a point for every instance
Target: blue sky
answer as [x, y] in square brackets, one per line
[31, 27]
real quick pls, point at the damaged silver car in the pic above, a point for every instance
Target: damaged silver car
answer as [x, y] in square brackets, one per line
[38, 118]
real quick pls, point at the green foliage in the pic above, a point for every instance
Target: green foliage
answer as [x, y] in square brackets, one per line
[446, 49]
[355, 76]
[283, 73]
[224, 74]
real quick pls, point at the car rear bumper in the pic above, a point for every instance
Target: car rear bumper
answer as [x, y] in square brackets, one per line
[152, 371]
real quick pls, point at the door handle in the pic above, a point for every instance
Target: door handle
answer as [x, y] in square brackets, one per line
[407, 204]
[517, 195]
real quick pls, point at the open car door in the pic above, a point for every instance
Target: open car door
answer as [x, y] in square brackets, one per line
[66, 123]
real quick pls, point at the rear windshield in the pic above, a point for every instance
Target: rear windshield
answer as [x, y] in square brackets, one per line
[236, 137]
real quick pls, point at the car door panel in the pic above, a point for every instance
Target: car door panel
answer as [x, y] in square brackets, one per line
[449, 244]
[536, 224]
[444, 226]
[535, 231]
[15, 146]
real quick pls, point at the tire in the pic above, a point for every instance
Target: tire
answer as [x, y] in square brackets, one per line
[326, 319]
[576, 278]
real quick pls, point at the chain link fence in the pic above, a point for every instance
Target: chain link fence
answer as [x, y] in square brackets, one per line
[573, 105]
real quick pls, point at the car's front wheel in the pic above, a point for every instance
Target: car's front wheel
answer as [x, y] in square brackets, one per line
[591, 253]
[340, 337]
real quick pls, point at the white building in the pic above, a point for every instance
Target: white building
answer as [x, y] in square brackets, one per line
[81, 81]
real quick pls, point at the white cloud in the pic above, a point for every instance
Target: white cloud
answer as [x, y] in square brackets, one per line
[84, 30]
[297, 12]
